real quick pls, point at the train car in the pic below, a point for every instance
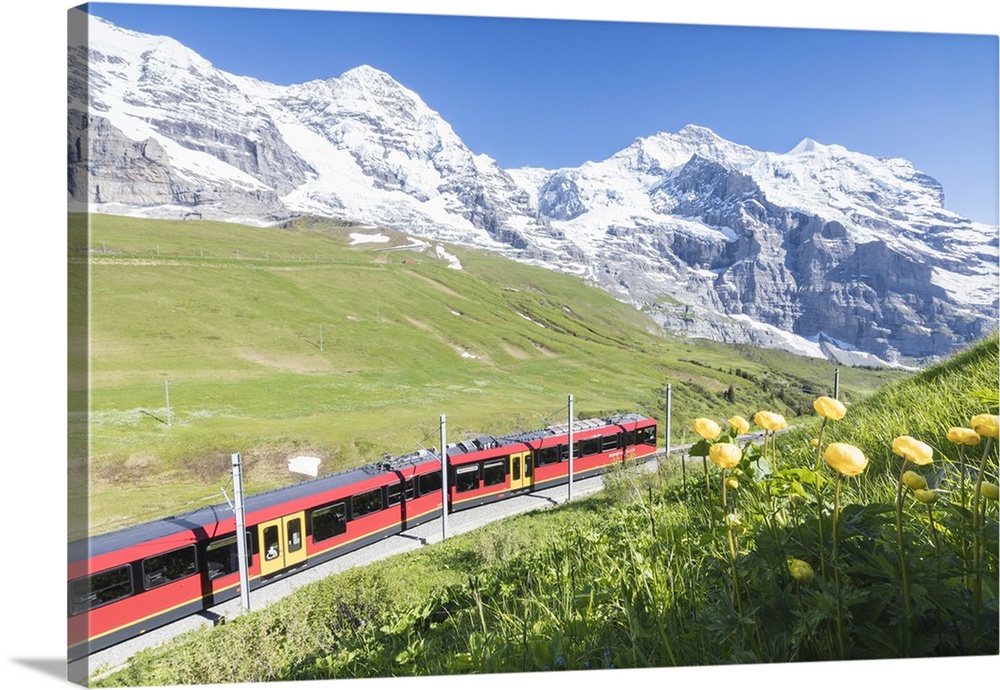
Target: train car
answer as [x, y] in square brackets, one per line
[490, 468]
[127, 582]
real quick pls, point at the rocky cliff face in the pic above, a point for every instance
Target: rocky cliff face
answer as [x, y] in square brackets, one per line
[818, 250]
[816, 241]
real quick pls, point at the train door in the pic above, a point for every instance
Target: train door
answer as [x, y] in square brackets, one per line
[282, 543]
[521, 474]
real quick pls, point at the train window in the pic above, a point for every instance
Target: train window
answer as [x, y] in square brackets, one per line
[609, 443]
[630, 438]
[494, 472]
[223, 556]
[647, 436]
[548, 456]
[271, 550]
[467, 478]
[168, 567]
[399, 491]
[368, 502]
[430, 482]
[329, 521]
[294, 531]
[89, 592]
[592, 446]
[564, 450]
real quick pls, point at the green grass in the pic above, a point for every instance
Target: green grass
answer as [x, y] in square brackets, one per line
[274, 342]
[645, 575]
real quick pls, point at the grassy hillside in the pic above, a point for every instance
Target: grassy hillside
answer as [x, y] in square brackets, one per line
[276, 342]
[650, 574]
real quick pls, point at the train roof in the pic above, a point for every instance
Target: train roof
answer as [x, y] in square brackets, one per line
[487, 442]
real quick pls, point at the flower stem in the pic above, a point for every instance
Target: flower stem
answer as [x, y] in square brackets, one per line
[902, 550]
[708, 493]
[819, 497]
[934, 534]
[961, 476]
[836, 570]
[966, 562]
[732, 548]
[977, 528]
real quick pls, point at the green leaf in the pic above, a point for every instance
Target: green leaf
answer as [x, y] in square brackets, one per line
[700, 449]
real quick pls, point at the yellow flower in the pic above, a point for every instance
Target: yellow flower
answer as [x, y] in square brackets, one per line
[989, 490]
[845, 458]
[814, 442]
[914, 481]
[963, 435]
[986, 425]
[800, 570]
[925, 496]
[771, 421]
[739, 425]
[830, 408]
[725, 455]
[707, 429]
[909, 448]
[733, 483]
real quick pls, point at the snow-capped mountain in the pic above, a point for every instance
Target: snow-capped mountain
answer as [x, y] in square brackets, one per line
[819, 250]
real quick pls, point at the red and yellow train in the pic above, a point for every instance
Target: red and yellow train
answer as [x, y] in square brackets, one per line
[127, 582]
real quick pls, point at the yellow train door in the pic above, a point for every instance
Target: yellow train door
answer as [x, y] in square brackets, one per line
[521, 475]
[282, 543]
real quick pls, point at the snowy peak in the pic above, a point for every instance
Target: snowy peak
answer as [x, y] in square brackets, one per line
[666, 151]
[808, 145]
[366, 91]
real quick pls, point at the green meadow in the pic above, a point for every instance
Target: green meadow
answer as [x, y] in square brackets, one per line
[284, 341]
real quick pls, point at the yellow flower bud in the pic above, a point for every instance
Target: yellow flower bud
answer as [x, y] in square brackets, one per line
[800, 570]
[845, 458]
[925, 496]
[914, 481]
[986, 425]
[814, 442]
[733, 483]
[831, 408]
[725, 455]
[909, 448]
[707, 429]
[963, 435]
[989, 490]
[738, 424]
[771, 421]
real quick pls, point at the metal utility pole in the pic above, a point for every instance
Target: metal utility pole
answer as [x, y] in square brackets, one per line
[241, 538]
[166, 392]
[444, 480]
[570, 497]
[321, 337]
[836, 383]
[667, 441]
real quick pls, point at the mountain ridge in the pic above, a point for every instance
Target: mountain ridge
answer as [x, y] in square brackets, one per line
[819, 240]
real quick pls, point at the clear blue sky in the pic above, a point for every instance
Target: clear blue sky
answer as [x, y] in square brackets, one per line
[554, 93]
